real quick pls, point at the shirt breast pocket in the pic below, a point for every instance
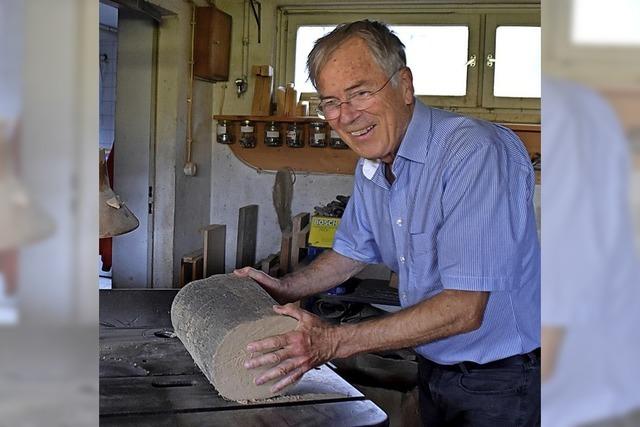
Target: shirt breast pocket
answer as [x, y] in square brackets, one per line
[422, 250]
[423, 268]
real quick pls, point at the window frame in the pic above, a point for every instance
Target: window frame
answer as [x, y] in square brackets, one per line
[435, 19]
[289, 18]
[492, 22]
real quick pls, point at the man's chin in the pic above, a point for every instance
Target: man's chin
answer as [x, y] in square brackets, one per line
[366, 153]
[385, 158]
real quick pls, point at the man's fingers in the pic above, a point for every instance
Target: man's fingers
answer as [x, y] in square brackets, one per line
[266, 359]
[249, 272]
[268, 344]
[290, 310]
[257, 275]
[242, 272]
[294, 376]
[278, 371]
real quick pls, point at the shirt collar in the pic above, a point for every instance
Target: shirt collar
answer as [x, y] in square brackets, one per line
[369, 168]
[415, 144]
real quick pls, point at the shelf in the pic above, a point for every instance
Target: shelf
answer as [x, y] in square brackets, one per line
[284, 119]
[304, 159]
[324, 159]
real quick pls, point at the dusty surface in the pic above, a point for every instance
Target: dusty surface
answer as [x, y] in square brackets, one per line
[230, 377]
[294, 398]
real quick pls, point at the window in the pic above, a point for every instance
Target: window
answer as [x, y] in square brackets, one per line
[512, 61]
[517, 73]
[614, 24]
[306, 37]
[437, 55]
[453, 66]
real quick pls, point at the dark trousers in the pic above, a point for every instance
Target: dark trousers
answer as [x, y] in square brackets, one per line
[503, 393]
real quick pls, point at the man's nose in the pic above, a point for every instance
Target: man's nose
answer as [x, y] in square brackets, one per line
[347, 113]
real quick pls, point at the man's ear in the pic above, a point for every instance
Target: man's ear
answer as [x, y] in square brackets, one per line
[406, 80]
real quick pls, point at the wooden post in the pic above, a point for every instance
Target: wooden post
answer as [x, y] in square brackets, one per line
[300, 234]
[190, 267]
[285, 254]
[270, 265]
[294, 241]
[214, 249]
[247, 233]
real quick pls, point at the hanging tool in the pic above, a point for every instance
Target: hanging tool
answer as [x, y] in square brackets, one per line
[257, 14]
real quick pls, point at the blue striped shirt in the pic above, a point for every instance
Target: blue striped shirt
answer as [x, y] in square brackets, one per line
[459, 215]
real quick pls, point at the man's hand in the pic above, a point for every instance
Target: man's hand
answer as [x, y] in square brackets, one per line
[312, 343]
[278, 289]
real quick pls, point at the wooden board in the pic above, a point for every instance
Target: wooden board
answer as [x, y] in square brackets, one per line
[261, 105]
[214, 236]
[247, 235]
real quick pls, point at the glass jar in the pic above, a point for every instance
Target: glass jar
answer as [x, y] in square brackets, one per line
[272, 135]
[317, 137]
[223, 132]
[294, 136]
[247, 134]
[336, 141]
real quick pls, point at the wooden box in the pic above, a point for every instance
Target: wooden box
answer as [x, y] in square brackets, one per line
[212, 44]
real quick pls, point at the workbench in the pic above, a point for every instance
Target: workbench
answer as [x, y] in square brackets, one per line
[147, 378]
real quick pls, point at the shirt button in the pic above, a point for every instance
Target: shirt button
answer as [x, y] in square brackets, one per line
[402, 259]
[399, 222]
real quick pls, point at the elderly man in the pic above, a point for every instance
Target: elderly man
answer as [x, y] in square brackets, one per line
[446, 202]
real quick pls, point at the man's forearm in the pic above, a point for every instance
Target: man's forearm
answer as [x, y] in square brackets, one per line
[446, 314]
[329, 269]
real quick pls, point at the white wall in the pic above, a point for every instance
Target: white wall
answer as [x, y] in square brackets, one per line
[233, 183]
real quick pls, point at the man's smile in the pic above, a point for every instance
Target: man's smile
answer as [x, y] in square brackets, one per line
[362, 131]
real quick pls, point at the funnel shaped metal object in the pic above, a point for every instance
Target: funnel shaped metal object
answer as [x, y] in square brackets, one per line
[115, 216]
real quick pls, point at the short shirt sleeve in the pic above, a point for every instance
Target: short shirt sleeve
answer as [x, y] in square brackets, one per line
[354, 238]
[485, 206]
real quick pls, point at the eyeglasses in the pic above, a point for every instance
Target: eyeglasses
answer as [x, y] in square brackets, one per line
[329, 109]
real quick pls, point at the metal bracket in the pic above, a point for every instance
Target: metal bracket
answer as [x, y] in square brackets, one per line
[490, 60]
[471, 63]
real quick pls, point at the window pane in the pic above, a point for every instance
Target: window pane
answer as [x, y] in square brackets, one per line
[614, 22]
[437, 56]
[305, 39]
[517, 66]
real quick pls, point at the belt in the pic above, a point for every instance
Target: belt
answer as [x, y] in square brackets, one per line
[533, 357]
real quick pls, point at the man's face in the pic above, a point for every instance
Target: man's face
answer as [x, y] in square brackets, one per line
[376, 132]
